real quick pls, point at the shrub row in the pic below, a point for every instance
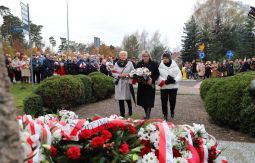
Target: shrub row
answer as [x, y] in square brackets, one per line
[68, 91]
[228, 103]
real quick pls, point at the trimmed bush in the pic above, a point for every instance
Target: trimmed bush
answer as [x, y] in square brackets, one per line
[102, 86]
[206, 85]
[33, 105]
[61, 92]
[87, 82]
[247, 124]
[228, 102]
[95, 73]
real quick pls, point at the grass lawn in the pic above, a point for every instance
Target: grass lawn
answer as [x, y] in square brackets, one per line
[19, 92]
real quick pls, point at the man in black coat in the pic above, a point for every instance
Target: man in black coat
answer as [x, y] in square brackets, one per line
[49, 65]
[146, 92]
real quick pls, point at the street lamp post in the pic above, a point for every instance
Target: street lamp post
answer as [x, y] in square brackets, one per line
[67, 23]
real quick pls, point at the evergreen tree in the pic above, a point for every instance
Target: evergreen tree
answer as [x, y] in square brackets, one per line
[205, 38]
[247, 44]
[190, 41]
[217, 41]
[131, 45]
[157, 51]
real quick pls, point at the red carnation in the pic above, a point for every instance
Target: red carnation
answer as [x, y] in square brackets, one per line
[107, 135]
[213, 153]
[176, 153]
[132, 129]
[145, 150]
[53, 151]
[73, 153]
[157, 153]
[96, 118]
[85, 134]
[124, 148]
[97, 142]
[145, 142]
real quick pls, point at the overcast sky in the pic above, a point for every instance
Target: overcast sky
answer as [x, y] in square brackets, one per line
[109, 19]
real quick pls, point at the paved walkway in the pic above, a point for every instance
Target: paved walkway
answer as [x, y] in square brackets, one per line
[189, 110]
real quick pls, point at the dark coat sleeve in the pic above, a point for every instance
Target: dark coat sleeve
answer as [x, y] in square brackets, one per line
[103, 69]
[155, 72]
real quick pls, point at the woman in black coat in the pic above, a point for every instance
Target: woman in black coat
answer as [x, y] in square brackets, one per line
[146, 92]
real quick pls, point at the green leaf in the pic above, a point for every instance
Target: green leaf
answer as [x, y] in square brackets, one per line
[137, 149]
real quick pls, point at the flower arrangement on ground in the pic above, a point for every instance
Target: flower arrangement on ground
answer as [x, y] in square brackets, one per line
[65, 138]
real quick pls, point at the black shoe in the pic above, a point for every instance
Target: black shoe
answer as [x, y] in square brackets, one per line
[165, 117]
[148, 112]
[172, 115]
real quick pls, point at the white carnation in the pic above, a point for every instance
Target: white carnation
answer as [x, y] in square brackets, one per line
[154, 138]
[200, 130]
[151, 128]
[143, 135]
[150, 158]
[186, 154]
[180, 160]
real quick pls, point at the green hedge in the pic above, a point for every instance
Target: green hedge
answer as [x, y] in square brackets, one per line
[61, 92]
[95, 73]
[228, 103]
[102, 86]
[68, 91]
[87, 82]
[247, 115]
[206, 85]
[33, 105]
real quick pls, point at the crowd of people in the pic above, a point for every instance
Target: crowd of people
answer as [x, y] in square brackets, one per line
[165, 74]
[208, 69]
[44, 66]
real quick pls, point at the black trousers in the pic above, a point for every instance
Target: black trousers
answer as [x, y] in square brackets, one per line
[122, 107]
[168, 95]
[17, 75]
[37, 74]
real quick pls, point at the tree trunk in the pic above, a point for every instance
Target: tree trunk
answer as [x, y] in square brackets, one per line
[10, 147]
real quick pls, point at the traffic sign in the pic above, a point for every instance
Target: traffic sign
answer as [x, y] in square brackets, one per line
[24, 13]
[201, 55]
[16, 29]
[202, 47]
[229, 54]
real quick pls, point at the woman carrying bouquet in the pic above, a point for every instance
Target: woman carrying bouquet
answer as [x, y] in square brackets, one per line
[146, 90]
[170, 75]
[121, 71]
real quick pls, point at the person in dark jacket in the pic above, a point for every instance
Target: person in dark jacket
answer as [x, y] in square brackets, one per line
[208, 71]
[81, 65]
[37, 65]
[230, 68]
[146, 92]
[194, 69]
[104, 69]
[70, 67]
[49, 65]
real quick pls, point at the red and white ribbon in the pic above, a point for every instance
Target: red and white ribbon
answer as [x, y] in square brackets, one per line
[165, 144]
[203, 151]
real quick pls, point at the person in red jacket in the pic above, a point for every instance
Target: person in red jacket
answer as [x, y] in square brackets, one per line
[61, 70]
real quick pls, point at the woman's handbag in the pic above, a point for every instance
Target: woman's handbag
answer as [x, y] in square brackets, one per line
[116, 80]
